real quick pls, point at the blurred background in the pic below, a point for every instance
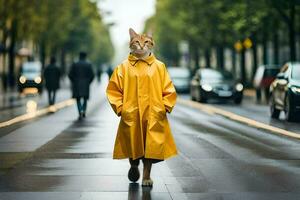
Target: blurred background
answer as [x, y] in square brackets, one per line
[235, 65]
[233, 36]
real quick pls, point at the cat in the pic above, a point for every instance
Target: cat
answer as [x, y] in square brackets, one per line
[141, 46]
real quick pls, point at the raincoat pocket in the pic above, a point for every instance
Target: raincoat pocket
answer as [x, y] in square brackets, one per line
[158, 116]
[128, 116]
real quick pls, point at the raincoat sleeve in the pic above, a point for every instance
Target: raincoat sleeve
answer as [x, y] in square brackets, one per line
[114, 91]
[169, 92]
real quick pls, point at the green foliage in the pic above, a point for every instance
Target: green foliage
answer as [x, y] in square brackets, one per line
[55, 26]
[208, 24]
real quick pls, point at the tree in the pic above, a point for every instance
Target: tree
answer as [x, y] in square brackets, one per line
[287, 10]
[56, 27]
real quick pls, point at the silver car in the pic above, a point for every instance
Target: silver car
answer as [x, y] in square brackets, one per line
[181, 78]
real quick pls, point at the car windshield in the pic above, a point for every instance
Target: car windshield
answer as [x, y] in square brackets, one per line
[179, 72]
[272, 72]
[32, 67]
[296, 72]
[216, 75]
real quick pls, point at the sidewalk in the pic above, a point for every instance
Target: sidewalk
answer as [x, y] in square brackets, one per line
[73, 160]
[250, 92]
[10, 99]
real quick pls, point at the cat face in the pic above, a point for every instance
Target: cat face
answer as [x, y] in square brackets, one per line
[140, 45]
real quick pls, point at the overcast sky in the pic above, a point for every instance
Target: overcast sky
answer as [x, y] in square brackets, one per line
[125, 14]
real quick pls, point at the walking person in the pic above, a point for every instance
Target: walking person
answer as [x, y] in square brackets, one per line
[52, 78]
[99, 73]
[81, 76]
[141, 92]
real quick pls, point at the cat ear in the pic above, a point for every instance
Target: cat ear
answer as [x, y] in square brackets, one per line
[132, 33]
[150, 34]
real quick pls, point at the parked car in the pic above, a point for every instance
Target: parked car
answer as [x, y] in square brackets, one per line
[264, 76]
[285, 92]
[181, 78]
[209, 83]
[30, 76]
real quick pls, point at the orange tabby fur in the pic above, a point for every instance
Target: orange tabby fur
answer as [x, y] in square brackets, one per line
[140, 45]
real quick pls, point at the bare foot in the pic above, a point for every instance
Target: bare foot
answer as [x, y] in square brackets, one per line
[147, 183]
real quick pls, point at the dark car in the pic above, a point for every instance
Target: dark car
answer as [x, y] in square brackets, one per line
[264, 76]
[285, 92]
[30, 76]
[215, 84]
[181, 78]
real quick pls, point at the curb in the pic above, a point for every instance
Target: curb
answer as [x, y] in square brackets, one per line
[213, 110]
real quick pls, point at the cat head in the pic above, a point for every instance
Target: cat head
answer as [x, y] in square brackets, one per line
[140, 45]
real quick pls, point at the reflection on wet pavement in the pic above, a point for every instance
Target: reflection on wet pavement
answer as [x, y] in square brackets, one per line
[135, 194]
[19, 104]
[218, 159]
[77, 163]
[31, 106]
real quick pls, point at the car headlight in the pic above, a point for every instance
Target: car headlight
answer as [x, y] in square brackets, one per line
[239, 87]
[295, 89]
[38, 80]
[22, 79]
[207, 87]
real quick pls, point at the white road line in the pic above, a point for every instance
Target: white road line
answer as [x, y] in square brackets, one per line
[213, 110]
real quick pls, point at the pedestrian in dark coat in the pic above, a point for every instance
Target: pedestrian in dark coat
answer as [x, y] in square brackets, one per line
[81, 76]
[52, 77]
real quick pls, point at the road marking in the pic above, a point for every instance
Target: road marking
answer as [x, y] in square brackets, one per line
[37, 113]
[213, 110]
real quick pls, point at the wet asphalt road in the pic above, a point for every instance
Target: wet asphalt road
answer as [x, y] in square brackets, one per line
[256, 111]
[57, 157]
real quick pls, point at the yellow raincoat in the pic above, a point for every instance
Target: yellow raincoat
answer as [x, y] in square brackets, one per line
[141, 92]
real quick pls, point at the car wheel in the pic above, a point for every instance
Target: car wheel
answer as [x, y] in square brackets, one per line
[202, 99]
[197, 95]
[192, 95]
[258, 95]
[274, 111]
[289, 114]
[238, 100]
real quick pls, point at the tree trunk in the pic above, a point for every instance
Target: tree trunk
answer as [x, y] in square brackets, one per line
[254, 52]
[276, 47]
[233, 61]
[243, 66]
[265, 48]
[220, 57]
[4, 54]
[196, 57]
[207, 58]
[63, 61]
[43, 54]
[11, 55]
[292, 33]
